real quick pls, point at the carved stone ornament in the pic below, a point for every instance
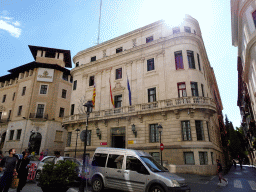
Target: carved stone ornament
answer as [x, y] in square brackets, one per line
[177, 113]
[164, 115]
[192, 113]
[128, 119]
[140, 118]
[105, 122]
[118, 87]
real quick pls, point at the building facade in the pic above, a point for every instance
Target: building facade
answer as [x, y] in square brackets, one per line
[171, 84]
[34, 99]
[243, 18]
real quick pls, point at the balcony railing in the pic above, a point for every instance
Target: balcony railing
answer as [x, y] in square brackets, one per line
[148, 107]
[38, 116]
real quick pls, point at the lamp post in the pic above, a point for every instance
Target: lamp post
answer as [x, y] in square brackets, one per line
[160, 129]
[77, 131]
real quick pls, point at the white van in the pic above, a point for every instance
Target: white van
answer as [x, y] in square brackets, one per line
[131, 170]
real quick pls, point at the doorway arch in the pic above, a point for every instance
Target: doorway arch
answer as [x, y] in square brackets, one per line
[35, 142]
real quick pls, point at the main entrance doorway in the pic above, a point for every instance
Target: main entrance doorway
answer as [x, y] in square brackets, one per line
[35, 142]
[118, 137]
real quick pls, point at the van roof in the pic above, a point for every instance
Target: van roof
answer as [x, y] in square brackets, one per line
[127, 151]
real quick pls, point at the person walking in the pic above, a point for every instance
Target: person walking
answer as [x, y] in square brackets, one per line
[219, 170]
[57, 157]
[241, 163]
[234, 163]
[9, 162]
[22, 169]
[41, 155]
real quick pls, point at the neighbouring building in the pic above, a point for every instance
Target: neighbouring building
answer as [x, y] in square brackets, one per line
[171, 83]
[34, 99]
[243, 20]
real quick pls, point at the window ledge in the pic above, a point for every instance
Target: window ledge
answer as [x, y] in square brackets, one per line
[59, 141]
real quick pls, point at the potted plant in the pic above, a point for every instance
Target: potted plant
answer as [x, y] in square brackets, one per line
[57, 177]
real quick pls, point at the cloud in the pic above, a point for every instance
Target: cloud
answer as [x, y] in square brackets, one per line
[10, 26]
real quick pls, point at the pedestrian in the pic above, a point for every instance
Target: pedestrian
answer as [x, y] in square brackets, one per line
[241, 163]
[1, 156]
[22, 169]
[9, 162]
[41, 155]
[219, 170]
[234, 163]
[45, 152]
[57, 157]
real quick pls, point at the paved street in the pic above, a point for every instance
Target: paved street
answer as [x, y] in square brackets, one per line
[238, 180]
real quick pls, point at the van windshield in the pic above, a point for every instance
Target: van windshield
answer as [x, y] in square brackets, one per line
[153, 165]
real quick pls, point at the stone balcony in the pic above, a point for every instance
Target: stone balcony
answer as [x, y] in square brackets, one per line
[175, 105]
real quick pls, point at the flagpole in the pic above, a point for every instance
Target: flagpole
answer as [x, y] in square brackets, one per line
[98, 41]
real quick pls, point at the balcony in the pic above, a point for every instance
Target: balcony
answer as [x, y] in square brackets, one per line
[145, 108]
[38, 116]
[4, 120]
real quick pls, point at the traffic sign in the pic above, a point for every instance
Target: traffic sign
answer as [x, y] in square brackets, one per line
[162, 146]
[82, 135]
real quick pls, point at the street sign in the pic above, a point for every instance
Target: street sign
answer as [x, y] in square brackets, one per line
[103, 143]
[82, 135]
[162, 146]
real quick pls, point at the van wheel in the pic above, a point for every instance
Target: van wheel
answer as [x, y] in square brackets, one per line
[97, 184]
[156, 188]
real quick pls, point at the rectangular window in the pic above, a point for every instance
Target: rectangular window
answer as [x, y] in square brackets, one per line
[18, 134]
[187, 29]
[186, 130]
[43, 89]
[93, 58]
[207, 126]
[13, 96]
[149, 39]
[198, 59]
[154, 133]
[89, 134]
[19, 110]
[50, 54]
[191, 60]
[64, 93]
[150, 64]
[212, 158]
[189, 158]
[23, 91]
[194, 89]
[120, 49]
[69, 139]
[74, 85]
[61, 112]
[91, 81]
[152, 95]
[182, 89]
[99, 159]
[0, 115]
[11, 135]
[72, 109]
[119, 73]
[254, 17]
[118, 101]
[115, 161]
[202, 87]
[178, 60]
[155, 155]
[203, 158]
[9, 115]
[58, 135]
[4, 98]
[176, 30]
[40, 111]
[77, 64]
[71, 79]
[65, 76]
[199, 130]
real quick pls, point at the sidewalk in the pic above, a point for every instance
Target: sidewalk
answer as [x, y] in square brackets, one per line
[200, 179]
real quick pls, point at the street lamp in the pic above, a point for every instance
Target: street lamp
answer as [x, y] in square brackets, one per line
[89, 107]
[77, 131]
[160, 129]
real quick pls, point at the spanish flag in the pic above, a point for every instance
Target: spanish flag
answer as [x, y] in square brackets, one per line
[94, 95]
[111, 96]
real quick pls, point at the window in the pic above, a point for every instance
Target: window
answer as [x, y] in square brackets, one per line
[9, 115]
[71, 79]
[186, 130]
[13, 96]
[11, 135]
[65, 76]
[4, 98]
[198, 59]
[182, 89]
[72, 109]
[115, 161]
[150, 64]
[187, 29]
[207, 126]
[69, 139]
[202, 87]
[93, 58]
[91, 81]
[189, 158]
[134, 164]
[119, 73]
[50, 54]
[254, 17]
[19, 110]
[61, 112]
[176, 30]
[199, 130]
[191, 60]
[64, 93]
[118, 101]
[152, 95]
[18, 134]
[0, 115]
[74, 85]
[43, 89]
[203, 158]
[154, 133]
[194, 89]
[149, 39]
[58, 135]
[49, 160]
[40, 111]
[155, 155]
[178, 60]
[23, 91]
[120, 49]
[99, 159]
[89, 133]
[212, 158]
[77, 64]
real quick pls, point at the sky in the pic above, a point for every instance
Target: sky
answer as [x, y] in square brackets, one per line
[73, 25]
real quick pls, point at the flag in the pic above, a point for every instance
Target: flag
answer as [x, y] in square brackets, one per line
[111, 96]
[129, 91]
[94, 95]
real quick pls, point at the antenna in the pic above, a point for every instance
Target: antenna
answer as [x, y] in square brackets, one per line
[98, 41]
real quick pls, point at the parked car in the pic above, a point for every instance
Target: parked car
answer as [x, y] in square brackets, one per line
[131, 170]
[33, 159]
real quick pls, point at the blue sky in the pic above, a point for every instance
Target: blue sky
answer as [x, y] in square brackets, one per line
[73, 25]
